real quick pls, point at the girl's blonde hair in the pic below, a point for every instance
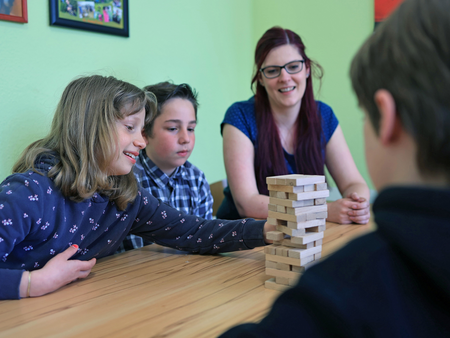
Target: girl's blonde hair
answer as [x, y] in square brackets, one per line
[83, 138]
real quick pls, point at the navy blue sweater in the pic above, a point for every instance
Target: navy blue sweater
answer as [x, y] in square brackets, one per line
[37, 222]
[394, 282]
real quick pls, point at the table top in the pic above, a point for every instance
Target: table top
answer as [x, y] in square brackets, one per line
[158, 292]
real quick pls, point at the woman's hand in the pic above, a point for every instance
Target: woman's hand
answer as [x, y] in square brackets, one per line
[58, 272]
[349, 209]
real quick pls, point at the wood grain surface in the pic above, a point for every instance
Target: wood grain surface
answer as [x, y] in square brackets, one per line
[157, 292]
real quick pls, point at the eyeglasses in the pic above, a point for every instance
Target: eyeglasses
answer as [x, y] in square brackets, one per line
[292, 67]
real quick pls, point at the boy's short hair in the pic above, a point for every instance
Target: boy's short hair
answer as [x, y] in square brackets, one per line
[164, 91]
[409, 56]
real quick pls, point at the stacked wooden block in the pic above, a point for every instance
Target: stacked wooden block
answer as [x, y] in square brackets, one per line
[298, 208]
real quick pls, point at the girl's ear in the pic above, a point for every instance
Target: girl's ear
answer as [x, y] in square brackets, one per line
[390, 126]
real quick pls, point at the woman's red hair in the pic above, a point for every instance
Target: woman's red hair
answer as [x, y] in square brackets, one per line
[269, 155]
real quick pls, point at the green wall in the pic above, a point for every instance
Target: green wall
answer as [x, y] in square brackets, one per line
[206, 43]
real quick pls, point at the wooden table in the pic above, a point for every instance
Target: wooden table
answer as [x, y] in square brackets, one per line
[157, 292]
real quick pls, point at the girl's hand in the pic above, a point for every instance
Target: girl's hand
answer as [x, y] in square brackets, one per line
[58, 272]
[349, 209]
[268, 227]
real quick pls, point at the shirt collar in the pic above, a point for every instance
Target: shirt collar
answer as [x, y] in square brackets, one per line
[157, 174]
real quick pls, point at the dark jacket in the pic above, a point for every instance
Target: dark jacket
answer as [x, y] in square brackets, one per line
[394, 282]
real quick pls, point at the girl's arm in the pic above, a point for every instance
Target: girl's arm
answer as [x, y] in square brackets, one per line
[239, 155]
[354, 206]
[21, 203]
[164, 225]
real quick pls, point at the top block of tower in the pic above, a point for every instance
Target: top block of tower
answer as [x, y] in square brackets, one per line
[295, 179]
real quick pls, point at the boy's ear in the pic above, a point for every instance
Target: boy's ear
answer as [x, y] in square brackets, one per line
[390, 126]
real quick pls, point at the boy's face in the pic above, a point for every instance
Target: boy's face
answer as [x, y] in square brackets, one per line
[173, 136]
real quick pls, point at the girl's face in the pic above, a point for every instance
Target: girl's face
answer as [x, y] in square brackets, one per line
[287, 90]
[173, 135]
[131, 141]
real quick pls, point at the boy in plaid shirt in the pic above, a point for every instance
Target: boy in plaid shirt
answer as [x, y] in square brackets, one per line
[162, 167]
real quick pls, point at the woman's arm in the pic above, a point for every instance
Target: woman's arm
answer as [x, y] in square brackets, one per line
[354, 206]
[239, 155]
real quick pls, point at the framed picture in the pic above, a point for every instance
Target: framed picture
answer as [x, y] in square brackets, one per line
[14, 10]
[383, 8]
[103, 16]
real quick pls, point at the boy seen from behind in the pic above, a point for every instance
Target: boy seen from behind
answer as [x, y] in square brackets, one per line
[394, 282]
[162, 167]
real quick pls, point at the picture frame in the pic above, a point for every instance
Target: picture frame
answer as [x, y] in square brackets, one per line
[383, 8]
[102, 16]
[15, 10]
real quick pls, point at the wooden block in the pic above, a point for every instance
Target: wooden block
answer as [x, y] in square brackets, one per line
[284, 188]
[287, 242]
[272, 265]
[281, 208]
[307, 224]
[272, 193]
[290, 203]
[282, 266]
[291, 232]
[309, 195]
[308, 238]
[270, 249]
[293, 281]
[290, 260]
[320, 201]
[295, 179]
[282, 280]
[317, 256]
[299, 269]
[309, 187]
[317, 215]
[303, 253]
[271, 180]
[282, 273]
[276, 221]
[282, 195]
[275, 235]
[320, 186]
[272, 285]
[310, 214]
[293, 211]
[318, 242]
[305, 210]
[281, 251]
[272, 207]
[320, 228]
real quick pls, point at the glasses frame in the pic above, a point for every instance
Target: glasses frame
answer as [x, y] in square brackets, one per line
[281, 67]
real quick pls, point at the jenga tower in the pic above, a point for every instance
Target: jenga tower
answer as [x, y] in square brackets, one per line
[298, 208]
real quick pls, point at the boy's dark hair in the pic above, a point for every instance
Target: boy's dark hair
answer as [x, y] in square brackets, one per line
[164, 91]
[409, 56]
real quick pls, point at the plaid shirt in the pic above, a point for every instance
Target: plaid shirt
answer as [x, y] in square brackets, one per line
[186, 190]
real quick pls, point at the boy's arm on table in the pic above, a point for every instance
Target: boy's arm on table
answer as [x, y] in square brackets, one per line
[239, 155]
[354, 204]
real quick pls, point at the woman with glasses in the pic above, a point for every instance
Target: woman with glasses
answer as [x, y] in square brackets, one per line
[284, 130]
